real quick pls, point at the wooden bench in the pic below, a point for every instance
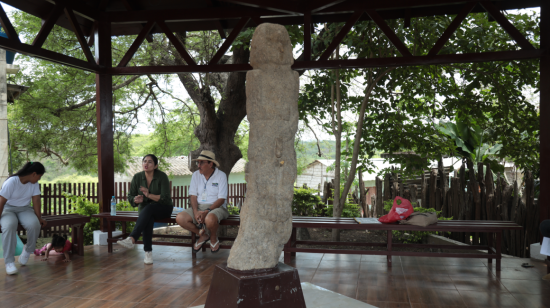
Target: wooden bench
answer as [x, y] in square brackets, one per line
[290, 249]
[75, 221]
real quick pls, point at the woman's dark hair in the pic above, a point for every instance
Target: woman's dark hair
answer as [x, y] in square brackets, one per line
[58, 241]
[153, 157]
[29, 168]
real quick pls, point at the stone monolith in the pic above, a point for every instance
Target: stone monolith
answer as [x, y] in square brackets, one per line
[272, 107]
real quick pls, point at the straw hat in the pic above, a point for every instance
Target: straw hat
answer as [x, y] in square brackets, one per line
[207, 155]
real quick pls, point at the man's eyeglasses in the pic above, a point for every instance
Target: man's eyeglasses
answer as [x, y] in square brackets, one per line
[200, 162]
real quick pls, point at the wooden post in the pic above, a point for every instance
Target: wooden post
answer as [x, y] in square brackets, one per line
[413, 189]
[444, 184]
[476, 196]
[481, 181]
[378, 210]
[104, 114]
[432, 188]
[423, 189]
[387, 188]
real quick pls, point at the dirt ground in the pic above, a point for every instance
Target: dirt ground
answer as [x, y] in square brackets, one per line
[316, 234]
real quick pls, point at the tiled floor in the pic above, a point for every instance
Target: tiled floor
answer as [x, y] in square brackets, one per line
[122, 280]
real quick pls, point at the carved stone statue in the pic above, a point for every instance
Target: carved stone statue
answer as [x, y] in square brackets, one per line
[272, 107]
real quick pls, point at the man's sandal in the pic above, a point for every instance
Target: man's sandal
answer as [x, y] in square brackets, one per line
[214, 245]
[198, 245]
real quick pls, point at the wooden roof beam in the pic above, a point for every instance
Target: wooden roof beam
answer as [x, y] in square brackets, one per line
[340, 36]
[283, 6]
[507, 26]
[7, 26]
[135, 45]
[232, 36]
[47, 26]
[177, 44]
[79, 35]
[390, 34]
[452, 28]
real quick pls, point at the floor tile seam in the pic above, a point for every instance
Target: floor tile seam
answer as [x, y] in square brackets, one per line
[519, 301]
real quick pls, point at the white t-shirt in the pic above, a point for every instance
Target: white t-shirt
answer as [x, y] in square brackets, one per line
[17, 193]
[215, 186]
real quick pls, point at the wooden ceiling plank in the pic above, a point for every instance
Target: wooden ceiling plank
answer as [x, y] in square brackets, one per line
[283, 6]
[320, 5]
[177, 44]
[135, 45]
[232, 36]
[507, 26]
[221, 30]
[457, 21]
[340, 36]
[390, 34]
[48, 26]
[79, 35]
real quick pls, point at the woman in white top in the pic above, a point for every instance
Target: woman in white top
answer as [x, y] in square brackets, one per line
[15, 198]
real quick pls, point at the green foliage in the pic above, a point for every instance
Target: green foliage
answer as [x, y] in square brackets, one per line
[404, 103]
[469, 141]
[350, 210]
[306, 202]
[233, 210]
[83, 206]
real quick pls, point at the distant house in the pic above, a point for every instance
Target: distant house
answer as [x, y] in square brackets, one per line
[178, 171]
[316, 174]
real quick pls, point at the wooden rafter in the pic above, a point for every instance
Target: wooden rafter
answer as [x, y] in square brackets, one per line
[307, 36]
[177, 44]
[135, 45]
[221, 29]
[232, 36]
[131, 7]
[507, 26]
[48, 55]
[48, 26]
[340, 36]
[452, 28]
[79, 35]
[390, 34]
[7, 26]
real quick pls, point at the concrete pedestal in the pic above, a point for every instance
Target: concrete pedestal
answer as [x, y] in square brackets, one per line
[278, 287]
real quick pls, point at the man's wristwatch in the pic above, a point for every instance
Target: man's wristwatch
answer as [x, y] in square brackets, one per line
[209, 210]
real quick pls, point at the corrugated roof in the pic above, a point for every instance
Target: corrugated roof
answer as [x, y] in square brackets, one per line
[178, 166]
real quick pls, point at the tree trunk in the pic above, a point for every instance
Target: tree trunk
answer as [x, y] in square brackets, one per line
[413, 189]
[476, 195]
[338, 204]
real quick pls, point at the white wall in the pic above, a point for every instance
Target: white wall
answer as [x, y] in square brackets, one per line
[314, 175]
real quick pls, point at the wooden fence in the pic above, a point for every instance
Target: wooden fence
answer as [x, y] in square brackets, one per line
[472, 194]
[54, 203]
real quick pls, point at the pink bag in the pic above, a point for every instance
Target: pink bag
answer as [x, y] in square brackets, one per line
[398, 211]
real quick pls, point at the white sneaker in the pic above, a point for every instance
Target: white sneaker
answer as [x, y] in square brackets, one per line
[24, 257]
[148, 257]
[126, 243]
[11, 269]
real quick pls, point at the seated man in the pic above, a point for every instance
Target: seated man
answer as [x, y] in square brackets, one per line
[208, 194]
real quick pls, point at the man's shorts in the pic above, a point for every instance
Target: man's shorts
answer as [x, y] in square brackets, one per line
[221, 212]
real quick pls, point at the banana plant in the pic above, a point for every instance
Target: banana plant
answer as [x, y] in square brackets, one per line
[469, 143]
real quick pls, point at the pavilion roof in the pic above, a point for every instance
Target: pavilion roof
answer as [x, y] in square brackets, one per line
[128, 17]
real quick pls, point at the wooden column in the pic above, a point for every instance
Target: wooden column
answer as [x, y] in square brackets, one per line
[544, 197]
[104, 109]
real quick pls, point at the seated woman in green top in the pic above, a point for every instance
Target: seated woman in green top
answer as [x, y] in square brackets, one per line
[150, 189]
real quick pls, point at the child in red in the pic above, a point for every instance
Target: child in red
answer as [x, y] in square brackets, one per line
[59, 244]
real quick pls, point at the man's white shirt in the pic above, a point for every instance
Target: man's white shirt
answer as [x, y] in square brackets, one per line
[208, 191]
